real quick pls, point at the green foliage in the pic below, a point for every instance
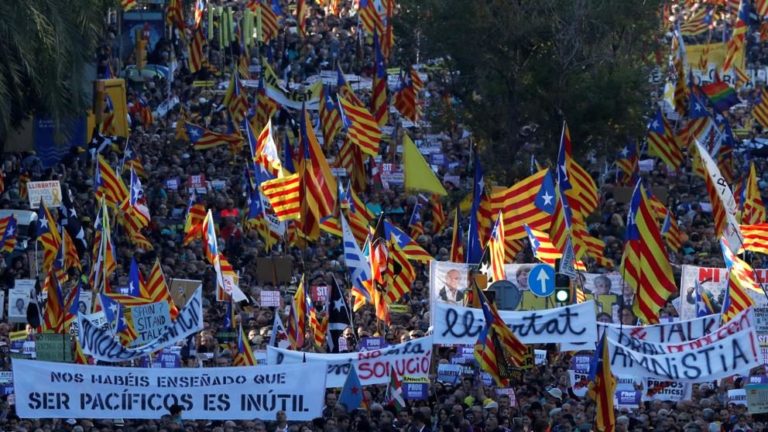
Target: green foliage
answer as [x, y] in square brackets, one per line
[45, 46]
[522, 62]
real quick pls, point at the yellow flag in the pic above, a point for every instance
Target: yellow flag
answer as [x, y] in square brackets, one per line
[418, 174]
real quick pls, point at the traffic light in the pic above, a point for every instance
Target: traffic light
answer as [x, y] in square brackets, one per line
[562, 288]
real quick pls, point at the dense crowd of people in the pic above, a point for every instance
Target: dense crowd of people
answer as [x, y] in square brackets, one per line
[543, 400]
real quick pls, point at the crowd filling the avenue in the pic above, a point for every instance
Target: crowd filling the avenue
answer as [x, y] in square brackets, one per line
[263, 229]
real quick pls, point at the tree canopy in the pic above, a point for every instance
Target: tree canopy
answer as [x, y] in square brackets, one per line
[46, 46]
[538, 63]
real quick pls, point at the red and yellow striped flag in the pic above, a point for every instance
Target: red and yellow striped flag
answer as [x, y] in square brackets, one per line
[284, 195]
[645, 264]
[362, 128]
[497, 349]
[741, 280]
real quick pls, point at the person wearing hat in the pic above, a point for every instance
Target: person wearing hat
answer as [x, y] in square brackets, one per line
[555, 393]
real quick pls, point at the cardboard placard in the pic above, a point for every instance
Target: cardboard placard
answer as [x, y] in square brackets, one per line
[274, 270]
[757, 398]
[53, 347]
[270, 299]
[182, 290]
[48, 191]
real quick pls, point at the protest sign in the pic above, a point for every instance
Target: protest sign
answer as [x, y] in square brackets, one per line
[6, 383]
[319, 293]
[704, 359]
[411, 358]
[101, 344]
[757, 398]
[48, 191]
[448, 373]
[168, 358]
[270, 299]
[737, 396]
[172, 184]
[183, 290]
[53, 347]
[274, 270]
[665, 390]
[579, 382]
[53, 390]
[458, 325]
[540, 357]
[415, 388]
[606, 289]
[150, 321]
[18, 299]
[509, 392]
[371, 343]
[628, 399]
[712, 281]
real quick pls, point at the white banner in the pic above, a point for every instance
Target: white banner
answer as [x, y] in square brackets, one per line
[59, 390]
[729, 350]
[410, 358]
[458, 325]
[672, 332]
[740, 322]
[102, 345]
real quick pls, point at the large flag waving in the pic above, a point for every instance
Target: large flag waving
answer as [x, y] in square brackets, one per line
[754, 209]
[497, 349]
[741, 280]
[645, 264]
